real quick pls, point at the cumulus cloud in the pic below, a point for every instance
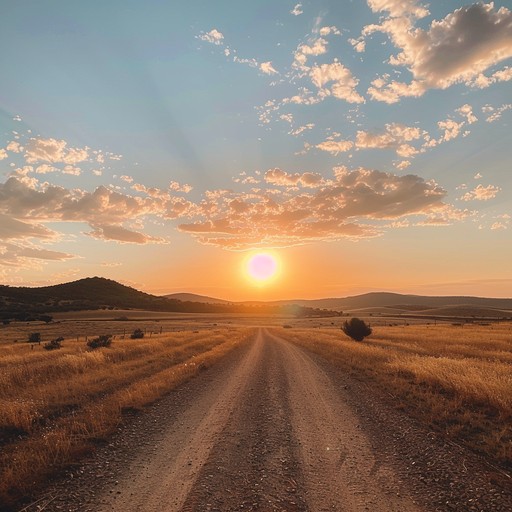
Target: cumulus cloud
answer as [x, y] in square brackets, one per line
[53, 150]
[309, 208]
[395, 136]
[336, 80]
[213, 37]
[26, 205]
[481, 193]
[456, 49]
[3, 154]
[399, 8]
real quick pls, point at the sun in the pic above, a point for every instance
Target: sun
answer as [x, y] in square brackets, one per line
[262, 267]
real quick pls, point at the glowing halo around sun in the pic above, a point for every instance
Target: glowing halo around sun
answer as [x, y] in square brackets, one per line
[262, 267]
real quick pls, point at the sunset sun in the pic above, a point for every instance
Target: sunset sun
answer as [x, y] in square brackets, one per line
[262, 267]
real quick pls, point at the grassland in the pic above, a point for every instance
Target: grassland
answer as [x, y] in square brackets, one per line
[456, 379]
[54, 405]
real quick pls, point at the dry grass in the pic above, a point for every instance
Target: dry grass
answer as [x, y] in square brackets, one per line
[456, 379]
[55, 405]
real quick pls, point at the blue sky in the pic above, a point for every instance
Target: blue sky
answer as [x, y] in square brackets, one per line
[187, 135]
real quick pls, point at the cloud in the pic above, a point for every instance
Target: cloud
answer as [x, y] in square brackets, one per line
[335, 146]
[495, 113]
[3, 154]
[11, 228]
[120, 234]
[213, 37]
[399, 8]
[456, 49]
[297, 10]
[28, 255]
[26, 205]
[267, 68]
[326, 31]
[342, 84]
[53, 150]
[302, 129]
[395, 136]
[481, 193]
[178, 187]
[352, 204]
[467, 112]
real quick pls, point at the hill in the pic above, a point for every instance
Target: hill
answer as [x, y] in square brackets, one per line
[192, 297]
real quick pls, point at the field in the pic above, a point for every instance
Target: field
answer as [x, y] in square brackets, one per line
[54, 405]
[458, 379]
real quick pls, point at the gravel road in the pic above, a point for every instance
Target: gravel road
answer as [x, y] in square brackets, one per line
[275, 428]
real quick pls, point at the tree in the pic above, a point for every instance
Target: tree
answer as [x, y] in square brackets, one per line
[34, 337]
[356, 329]
[137, 334]
[101, 341]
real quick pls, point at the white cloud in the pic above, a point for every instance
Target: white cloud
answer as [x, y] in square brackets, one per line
[399, 8]
[395, 136]
[351, 205]
[326, 31]
[495, 113]
[213, 37]
[53, 150]
[456, 49]
[302, 129]
[297, 10]
[3, 154]
[467, 112]
[335, 146]
[481, 193]
[267, 68]
[340, 81]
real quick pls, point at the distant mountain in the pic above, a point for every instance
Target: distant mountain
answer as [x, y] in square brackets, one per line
[98, 292]
[88, 293]
[400, 301]
[192, 297]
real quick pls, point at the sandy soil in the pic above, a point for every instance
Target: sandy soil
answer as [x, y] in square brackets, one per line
[274, 428]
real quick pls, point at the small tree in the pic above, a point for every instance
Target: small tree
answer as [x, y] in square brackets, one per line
[356, 329]
[137, 334]
[54, 344]
[34, 337]
[101, 341]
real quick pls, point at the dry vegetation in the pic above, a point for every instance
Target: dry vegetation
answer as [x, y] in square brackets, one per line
[456, 379]
[54, 405]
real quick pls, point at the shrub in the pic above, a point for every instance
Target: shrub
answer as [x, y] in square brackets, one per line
[356, 329]
[101, 341]
[34, 337]
[54, 344]
[137, 334]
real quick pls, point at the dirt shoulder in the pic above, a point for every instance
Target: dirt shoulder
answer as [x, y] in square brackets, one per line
[273, 427]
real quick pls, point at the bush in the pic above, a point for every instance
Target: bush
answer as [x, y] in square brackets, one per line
[101, 341]
[137, 334]
[356, 329]
[54, 344]
[34, 337]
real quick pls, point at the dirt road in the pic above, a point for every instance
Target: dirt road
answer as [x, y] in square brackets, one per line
[273, 428]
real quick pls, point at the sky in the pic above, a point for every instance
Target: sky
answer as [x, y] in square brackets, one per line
[366, 145]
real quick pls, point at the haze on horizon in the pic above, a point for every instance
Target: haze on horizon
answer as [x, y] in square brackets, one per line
[366, 144]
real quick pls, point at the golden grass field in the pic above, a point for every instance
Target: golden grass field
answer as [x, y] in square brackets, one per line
[55, 404]
[456, 379]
